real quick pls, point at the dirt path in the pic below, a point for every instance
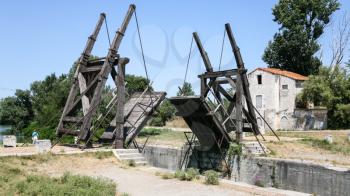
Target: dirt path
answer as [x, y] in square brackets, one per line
[134, 181]
[142, 180]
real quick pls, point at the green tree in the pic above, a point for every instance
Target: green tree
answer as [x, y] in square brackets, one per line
[330, 88]
[301, 24]
[166, 110]
[17, 110]
[136, 83]
[49, 97]
[186, 90]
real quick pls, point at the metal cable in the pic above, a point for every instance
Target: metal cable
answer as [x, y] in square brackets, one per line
[188, 62]
[109, 39]
[141, 46]
[222, 49]
[143, 58]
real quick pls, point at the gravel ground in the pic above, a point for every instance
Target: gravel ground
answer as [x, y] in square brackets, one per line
[143, 181]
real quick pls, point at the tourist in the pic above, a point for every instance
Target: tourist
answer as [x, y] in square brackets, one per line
[35, 136]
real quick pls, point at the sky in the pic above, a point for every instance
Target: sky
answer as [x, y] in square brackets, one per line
[40, 37]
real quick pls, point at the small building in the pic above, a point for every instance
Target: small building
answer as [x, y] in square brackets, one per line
[274, 92]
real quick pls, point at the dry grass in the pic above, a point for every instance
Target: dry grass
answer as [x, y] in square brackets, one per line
[163, 137]
[310, 145]
[22, 176]
[177, 122]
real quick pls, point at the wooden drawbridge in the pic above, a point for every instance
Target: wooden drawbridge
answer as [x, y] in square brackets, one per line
[137, 110]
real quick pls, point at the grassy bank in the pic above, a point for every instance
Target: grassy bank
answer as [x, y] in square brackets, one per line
[19, 176]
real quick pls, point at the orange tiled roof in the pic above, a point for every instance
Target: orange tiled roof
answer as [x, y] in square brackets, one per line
[288, 74]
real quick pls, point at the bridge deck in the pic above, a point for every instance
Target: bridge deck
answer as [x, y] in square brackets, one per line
[137, 111]
[203, 123]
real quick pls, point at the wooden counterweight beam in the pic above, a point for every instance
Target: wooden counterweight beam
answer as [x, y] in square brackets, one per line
[103, 75]
[81, 63]
[244, 79]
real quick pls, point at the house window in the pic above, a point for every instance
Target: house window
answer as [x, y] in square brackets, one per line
[285, 87]
[259, 79]
[299, 84]
[259, 101]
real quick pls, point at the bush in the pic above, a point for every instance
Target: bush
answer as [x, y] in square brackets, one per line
[131, 163]
[149, 132]
[188, 175]
[192, 173]
[66, 185]
[165, 112]
[211, 177]
[167, 176]
[157, 122]
[235, 149]
[181, 175]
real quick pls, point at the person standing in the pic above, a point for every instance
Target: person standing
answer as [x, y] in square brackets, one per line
[35, 136]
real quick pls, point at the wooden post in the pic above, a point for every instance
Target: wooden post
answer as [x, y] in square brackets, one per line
[119, 129]
[203, 86]
[239, 124]
[84, 99]
[103, 75]
[244, 79]
[81, 63]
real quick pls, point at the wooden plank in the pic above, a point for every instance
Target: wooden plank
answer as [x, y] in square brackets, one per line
[119, 129]
[72, 119]
[216, 74]
[82, 88]
[78, 98]
[244, 79]
[239, 92]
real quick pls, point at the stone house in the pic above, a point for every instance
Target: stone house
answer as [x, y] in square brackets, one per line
[274, 92]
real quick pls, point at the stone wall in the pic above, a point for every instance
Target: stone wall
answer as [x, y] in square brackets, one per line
[286, 174]
[307, 119]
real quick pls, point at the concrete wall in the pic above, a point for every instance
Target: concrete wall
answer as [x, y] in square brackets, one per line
[310, 119]
[292, 175]
[285, 174]
[164, 157]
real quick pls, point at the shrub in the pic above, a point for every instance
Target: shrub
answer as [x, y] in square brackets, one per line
[167, 176]
[181, 175]
[192, 173]
[157, 122]
[66, 185]
[211, 177]
[235, 149]
[131, 163]
[188, 175]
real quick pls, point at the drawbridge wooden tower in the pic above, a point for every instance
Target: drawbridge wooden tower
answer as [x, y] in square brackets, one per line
[85, 94]
[210, 119]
